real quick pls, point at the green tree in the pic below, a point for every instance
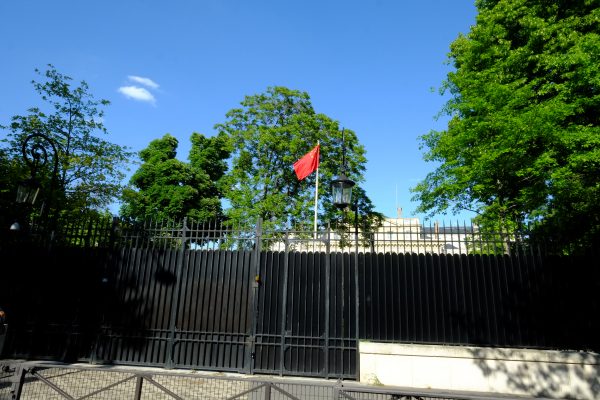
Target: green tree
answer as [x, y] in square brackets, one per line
[90, 168]
[523, 142]
[167, 188]
[268, 133]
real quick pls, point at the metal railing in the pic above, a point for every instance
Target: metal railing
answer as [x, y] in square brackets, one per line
[392, 235]
[21, 381]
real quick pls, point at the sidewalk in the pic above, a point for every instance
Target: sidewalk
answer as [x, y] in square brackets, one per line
[51, 380]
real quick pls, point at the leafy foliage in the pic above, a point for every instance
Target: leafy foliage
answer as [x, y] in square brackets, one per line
[268, 133]
[522, 145]
[89, 168]
[167, 188]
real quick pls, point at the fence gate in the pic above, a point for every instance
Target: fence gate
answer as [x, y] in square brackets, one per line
[305, 315]
[237, 309]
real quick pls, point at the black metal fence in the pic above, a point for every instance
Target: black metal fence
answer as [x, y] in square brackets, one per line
[21, 381]
[230, 299]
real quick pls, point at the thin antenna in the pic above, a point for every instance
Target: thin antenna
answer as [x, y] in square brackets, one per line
[396, 196]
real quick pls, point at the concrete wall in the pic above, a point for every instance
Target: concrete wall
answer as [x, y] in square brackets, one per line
[539, 373]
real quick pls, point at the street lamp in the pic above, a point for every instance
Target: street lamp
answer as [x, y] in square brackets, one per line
[27, 191]
[35, 153]
[341, 186]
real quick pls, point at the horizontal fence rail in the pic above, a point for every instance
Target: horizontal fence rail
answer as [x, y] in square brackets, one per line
[391, 235]
[45, 381]
[295, 302]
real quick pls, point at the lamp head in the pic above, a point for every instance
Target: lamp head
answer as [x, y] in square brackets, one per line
[341, 188]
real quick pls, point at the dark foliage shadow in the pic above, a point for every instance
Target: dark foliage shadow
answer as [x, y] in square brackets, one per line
[75, 304]
[577, 378]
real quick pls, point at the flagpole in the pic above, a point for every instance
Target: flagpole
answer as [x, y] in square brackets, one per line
[317, 193]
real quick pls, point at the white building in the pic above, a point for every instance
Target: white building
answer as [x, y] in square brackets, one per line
[395, 235]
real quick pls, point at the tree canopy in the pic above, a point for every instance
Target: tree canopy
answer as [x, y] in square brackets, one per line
[268, 133]
[90, 168]
[166, 188]
[523, 142]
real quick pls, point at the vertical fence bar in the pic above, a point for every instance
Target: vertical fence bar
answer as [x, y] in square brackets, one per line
[342, 335]
[327, 294]
[175, 297]
[213, 352]
[284, 281]
[356, 293]
[206, 276]
[18, 381]
[430, 239]
[254, 313]
[218, 314]
[267, 391]
[294, 299]
[139, 380]
[228, 307]
[107, 265]
[303, 322]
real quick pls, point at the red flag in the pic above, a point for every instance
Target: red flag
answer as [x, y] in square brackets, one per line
[307, 164]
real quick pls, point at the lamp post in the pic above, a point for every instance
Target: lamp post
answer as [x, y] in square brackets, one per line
[341, 188]
[35, 153]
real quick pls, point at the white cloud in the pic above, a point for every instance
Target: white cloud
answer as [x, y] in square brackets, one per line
[137, 93]
[144, 81]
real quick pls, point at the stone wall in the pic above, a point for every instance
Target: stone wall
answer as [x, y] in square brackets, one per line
[538, 373]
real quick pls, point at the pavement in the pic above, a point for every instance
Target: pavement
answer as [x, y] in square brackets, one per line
[51, 380]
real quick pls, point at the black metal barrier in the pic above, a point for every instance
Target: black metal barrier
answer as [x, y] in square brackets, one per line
[287, 303]
[30, 380]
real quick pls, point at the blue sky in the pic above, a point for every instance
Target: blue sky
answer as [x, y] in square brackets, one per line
[369, 64]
